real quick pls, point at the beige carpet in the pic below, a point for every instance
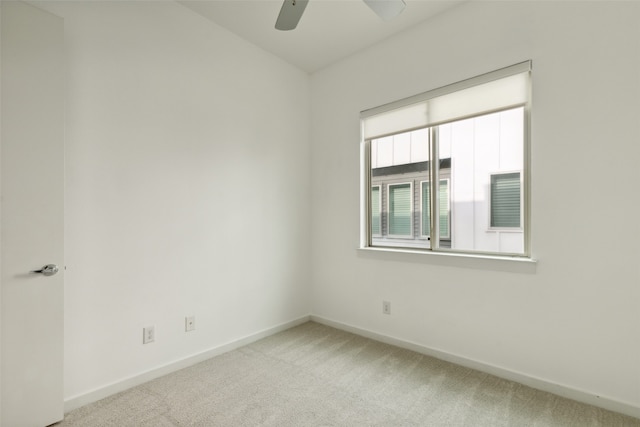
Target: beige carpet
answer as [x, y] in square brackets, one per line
[314, 375]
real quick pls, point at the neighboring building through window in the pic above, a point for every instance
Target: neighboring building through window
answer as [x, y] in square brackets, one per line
[477, 132]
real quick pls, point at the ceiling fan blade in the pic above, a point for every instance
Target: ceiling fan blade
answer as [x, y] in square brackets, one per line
[386, 9]
[290, 14]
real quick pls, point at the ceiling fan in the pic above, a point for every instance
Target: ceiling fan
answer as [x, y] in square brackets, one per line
[292, 10]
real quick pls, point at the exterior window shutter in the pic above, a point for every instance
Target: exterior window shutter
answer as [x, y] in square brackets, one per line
[444, 209]
[400, 210]
[375, 211]
[505, 200]
[426, 209]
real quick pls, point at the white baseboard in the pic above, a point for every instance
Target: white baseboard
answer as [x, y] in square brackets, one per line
[79, 400]
[537, 383]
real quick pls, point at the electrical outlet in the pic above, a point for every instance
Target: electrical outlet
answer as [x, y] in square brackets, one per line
[148, 334]
[189, 323]
[386, 307]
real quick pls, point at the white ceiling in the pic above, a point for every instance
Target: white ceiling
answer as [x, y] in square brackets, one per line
[328, 31]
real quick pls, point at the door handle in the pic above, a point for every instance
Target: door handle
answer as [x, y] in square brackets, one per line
[47, 270]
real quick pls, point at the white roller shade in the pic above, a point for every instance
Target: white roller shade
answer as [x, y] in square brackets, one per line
[499, 90]
[395, 121]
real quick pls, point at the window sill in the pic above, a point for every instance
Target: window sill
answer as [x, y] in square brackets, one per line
[511, 264]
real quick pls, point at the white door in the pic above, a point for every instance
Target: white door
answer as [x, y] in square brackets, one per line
[32, 215]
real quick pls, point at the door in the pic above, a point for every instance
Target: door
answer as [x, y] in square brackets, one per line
[32, 215]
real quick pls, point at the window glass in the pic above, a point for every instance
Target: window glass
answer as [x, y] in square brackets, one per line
[481, 148]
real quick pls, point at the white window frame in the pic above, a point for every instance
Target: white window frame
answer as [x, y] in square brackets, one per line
[408, 114]
[411, 211]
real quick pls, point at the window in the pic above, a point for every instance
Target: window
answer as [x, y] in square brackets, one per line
[505, 200]
[471, 138]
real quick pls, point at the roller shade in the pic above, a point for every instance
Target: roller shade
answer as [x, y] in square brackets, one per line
[499, 90]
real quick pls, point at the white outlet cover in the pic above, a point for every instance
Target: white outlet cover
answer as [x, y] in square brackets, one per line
[148, 335]
[189, 323]
[386, 307]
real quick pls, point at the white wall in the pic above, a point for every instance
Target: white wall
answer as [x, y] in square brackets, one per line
[573, 319]
[186, 189]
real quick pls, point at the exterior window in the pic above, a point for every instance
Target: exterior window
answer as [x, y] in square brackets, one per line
[472, 139]
[400, 210]
[376, 229]
[444, 209]
[505, 200]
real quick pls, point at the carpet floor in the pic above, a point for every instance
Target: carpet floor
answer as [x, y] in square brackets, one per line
[314, 375]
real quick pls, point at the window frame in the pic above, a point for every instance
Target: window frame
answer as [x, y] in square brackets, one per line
[525, 173]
